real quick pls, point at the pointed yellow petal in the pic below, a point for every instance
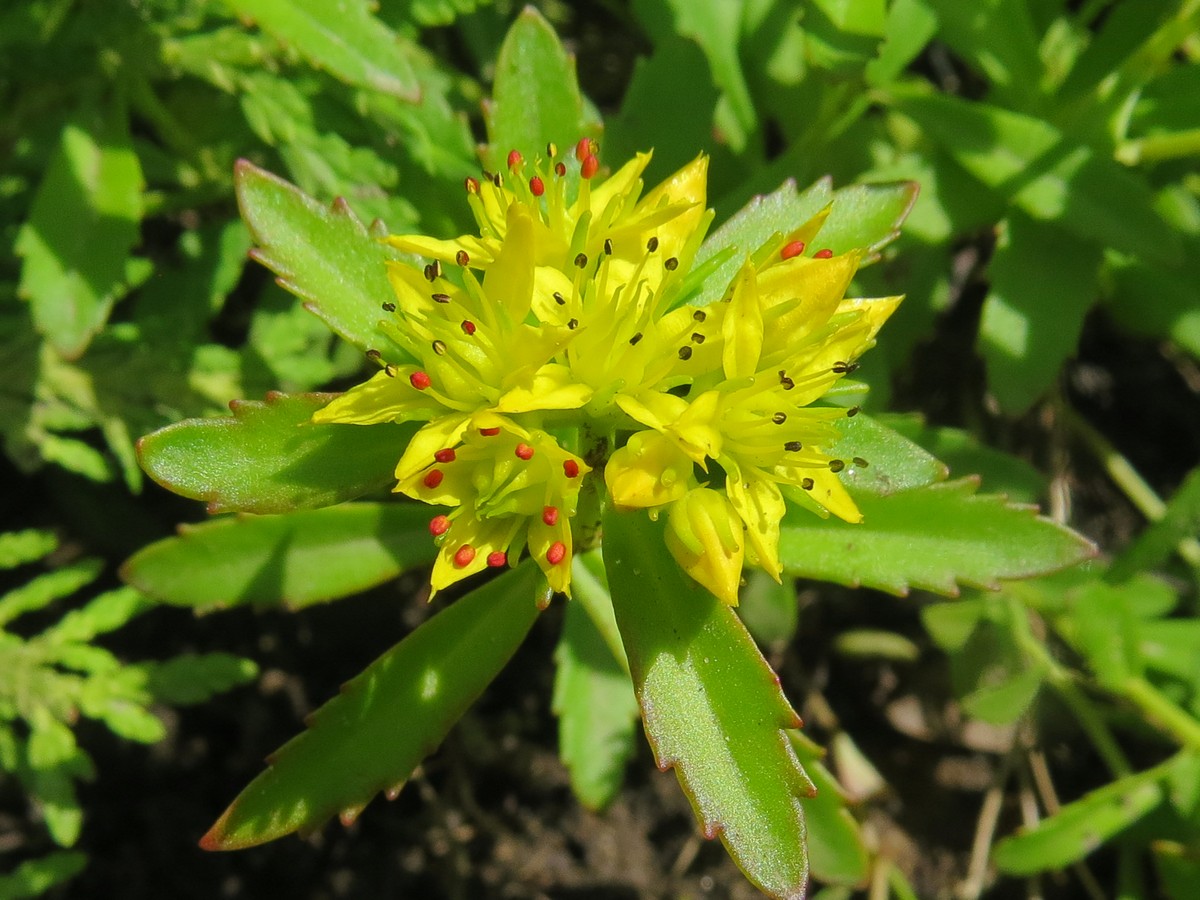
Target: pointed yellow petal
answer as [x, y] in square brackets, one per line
[509, 279]
[383, 398]
[650, 470]
[704, 534]
[801, 294]
[481, 250]
[742, 326]
[761, 507]
[552, 387]
[439, 434]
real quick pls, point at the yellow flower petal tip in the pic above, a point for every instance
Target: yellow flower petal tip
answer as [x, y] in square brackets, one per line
[704, 534]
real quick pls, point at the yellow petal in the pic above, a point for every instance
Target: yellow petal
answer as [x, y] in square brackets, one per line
[650, 470]
[509, 280]
[801, 294]
[440, 434]
[623, 181]
[383, 398]
[552, 387]
[704, 534]
[761, 507]
[831, 494]
[742, 326]
[652, 409]
[481, 250]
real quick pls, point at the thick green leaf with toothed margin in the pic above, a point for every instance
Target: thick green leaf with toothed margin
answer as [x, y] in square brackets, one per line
[893, 462]
[294, 560]
[1080, 827]
[536, 98]
[268, 458]
[938, 537]
[341, 37]
[594, 701]
[712, 707]
[323, 255]
[863, 215]
[371, 736]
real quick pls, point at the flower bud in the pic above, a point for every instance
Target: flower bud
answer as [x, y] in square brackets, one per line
[704, 534]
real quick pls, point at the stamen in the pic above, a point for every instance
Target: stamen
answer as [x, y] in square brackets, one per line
[514, 159]
[550, 515]
[572, 324]
[583, 149]
[464, 556]
[560, 169]
[558, 550]
[633, 341]
[570, 468]
[697, 337]
[589, 167]
[843, 368]
[551, 150]
[445, 456]
[779, 418]
[581, 260]
[671, 264]
[462, 258]
[685, 353]
[852, 412]
[795, 248]
[524, 451]
[468, 326]
[652, 244]
[537, 187]
[608, 247]
[374, 355]
[787, 383]
[439, 525]
[420, 380]
[440, 298]
[439, 347]
[497, 558]
[433, 478]
[389, 370]
[860, 462]
[433, 270]
[388, 307]
[836, 465]
[807, 484]
[560, 299]
[823, 254]
[490, 432]
[472, 185]
[699, 315]
[793, 446]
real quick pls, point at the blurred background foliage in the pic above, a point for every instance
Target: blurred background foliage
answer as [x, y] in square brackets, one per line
[1051, 330]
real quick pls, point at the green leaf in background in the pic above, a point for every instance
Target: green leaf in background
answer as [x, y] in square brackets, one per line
[1043, 282]
[863, 215]
[1180, 522]
[294, 560]
[324, 256]
[340, 36]
[769, 608]
[1080, 827]
[387, 719]
[596, 708]
[194, 677]
[836, 849]
[83, 223]
[936, 537]
[267, 458]
[711, 706]
[535, 100]
[34, 877]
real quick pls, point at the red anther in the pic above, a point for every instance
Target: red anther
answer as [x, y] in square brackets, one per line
[524, 451]
[560, 168]
[462, 258]
[497, 558]
[514, 159]
[464, 555]
[823, 254]
[589, 167]
[472, 185]
[420, 380]
[490, 432]
[550, 515]
[468, 326]
[556, 553]
[445, 456]
[795, 248]
[570, 468]
[537, 187]
[433, 478]
[583, 149]
[439, 525]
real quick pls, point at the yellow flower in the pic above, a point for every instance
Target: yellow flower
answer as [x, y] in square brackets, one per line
[557, 334]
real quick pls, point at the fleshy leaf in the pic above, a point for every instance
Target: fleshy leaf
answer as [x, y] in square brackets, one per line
[340, 36]
[596, 709]
[711, 706]
[936, 537]
[863, 215]
[1080, 827]
[324, 256]
[536, 96]
[267, 458]
[387, 719]
[295, 559]
[836, 848]
[82, 226]
[895, 463]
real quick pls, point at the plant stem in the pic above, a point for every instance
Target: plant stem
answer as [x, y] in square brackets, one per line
[1162, 712]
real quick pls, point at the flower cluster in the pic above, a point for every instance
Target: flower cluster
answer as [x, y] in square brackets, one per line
[557, 367]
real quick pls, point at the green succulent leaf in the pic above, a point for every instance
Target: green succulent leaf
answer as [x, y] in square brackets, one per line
[936, 537]
[295, 559]
[711, 706]
[195, 677]
[83, 224]
[596, 708]
[836, 848]
[342, 37]
[323, 255]
[1080, 827]
[895, 462]
[536, 99]
[267, 458]
[34, 877]
[387, 719]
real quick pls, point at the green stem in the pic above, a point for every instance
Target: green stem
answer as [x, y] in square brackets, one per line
[1159, 147]
[1161, 711]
